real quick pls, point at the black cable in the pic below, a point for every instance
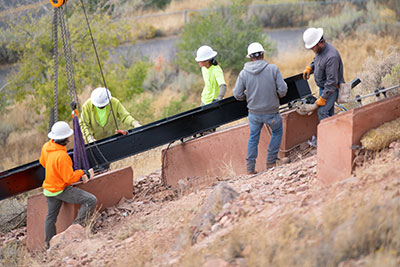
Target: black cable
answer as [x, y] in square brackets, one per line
[98, 61]
[162, 163]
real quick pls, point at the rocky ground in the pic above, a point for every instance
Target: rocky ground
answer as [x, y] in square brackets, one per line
[161, 226]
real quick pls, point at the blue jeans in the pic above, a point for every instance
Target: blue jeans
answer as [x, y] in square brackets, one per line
[329, 109]
[70, 195]
[256, 122]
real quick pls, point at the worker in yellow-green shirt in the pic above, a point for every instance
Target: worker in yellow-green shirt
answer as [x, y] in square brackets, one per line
[97, 120]
[213, 76]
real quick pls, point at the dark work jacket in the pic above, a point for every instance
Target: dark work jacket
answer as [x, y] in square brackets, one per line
[328, 70]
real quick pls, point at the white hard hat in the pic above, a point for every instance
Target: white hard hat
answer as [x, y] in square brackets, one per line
[312, 36]
[60, 130]
[99, 97]
[205, 53]
[254, 48]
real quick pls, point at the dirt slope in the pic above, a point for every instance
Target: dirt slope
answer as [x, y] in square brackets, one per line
[282, 217]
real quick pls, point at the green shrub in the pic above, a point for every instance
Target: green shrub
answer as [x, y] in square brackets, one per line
[379, 70]
[159, 4]
[380, 20]
[7, 56]
[125, 82]
[5, 131]
[36, 65]
[227, 31]
[160, 76]
[342, 25]
[176, 106]
[280, 15]
[141, 109]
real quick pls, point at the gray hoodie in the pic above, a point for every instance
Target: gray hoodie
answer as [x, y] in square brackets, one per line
[261, 84]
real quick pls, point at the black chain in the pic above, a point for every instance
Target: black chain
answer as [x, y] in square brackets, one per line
[67, 54]
[55, 56]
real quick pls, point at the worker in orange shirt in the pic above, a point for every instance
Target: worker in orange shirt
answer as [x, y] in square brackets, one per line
[59, 175]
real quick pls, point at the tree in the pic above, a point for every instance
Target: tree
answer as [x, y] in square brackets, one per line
[35, 73]
[227, 31]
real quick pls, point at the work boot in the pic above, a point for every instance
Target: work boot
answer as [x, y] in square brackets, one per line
[271, 165]
[252, 172]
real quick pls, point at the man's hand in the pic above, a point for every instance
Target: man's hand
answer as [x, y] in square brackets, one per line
[307, 73]
[136, 124]
[320, 102]
[85, 178]
[89, 174]
[123, 132]
[91, 139]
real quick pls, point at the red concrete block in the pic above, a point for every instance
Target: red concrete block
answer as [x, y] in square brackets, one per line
[215, 155]
[108, 188]
[337, 134]
[223, 153]
[297, 129]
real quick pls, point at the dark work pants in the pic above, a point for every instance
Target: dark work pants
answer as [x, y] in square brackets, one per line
[72, 195]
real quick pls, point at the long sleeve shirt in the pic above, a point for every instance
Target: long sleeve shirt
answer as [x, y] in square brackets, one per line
[58, 164]
[328, 70]
[91, 125]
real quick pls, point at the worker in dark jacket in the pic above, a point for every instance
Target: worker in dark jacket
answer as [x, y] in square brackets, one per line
[59, 175]
[261, 85]
[327, 68]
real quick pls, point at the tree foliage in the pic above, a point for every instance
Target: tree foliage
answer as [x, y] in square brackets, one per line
[226, 30]
[35, 73]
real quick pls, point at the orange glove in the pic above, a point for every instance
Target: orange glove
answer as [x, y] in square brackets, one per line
[320, 101]
[123, 132]
[307, 73]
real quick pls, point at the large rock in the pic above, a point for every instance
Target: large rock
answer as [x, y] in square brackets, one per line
[74, 232]
[12, 214]
[205, 218]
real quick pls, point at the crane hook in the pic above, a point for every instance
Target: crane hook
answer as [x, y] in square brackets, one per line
[57, 3]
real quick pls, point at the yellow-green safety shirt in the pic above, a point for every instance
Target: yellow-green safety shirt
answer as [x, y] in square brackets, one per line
[92, 125]
[213, 77]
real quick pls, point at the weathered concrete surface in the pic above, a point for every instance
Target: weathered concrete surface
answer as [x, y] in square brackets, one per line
[337, 134]
[108, 187]
[223, 154]
[297, 129]
[220, 154]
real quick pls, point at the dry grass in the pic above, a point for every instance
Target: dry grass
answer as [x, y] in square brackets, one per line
[381, 137]
[360, 225]
[23, 145]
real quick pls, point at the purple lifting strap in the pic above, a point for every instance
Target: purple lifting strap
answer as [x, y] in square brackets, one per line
[80, 157]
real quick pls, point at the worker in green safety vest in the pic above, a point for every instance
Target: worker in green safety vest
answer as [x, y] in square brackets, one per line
[97, 120]
[213, 76]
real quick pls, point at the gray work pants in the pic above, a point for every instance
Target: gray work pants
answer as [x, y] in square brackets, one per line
[72, 195]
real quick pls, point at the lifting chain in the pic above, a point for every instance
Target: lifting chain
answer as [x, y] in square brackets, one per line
[55, 55]
[58, 18]
[57, 3]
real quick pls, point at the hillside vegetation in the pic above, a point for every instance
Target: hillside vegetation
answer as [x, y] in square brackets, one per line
[283, 217]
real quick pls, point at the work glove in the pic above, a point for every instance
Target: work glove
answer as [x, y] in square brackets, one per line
[91, 139]
[320, 101]
[306, 109]
[136, 124]
[123, 132]
[307, 73]
[89, 174]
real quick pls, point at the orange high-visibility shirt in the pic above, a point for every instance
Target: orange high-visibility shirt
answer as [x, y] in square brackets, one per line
[58, 164]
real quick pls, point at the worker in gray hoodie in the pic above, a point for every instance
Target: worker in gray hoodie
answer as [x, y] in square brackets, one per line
[261, 85]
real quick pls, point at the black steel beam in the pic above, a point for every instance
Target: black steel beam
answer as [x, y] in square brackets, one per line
[117, 147]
